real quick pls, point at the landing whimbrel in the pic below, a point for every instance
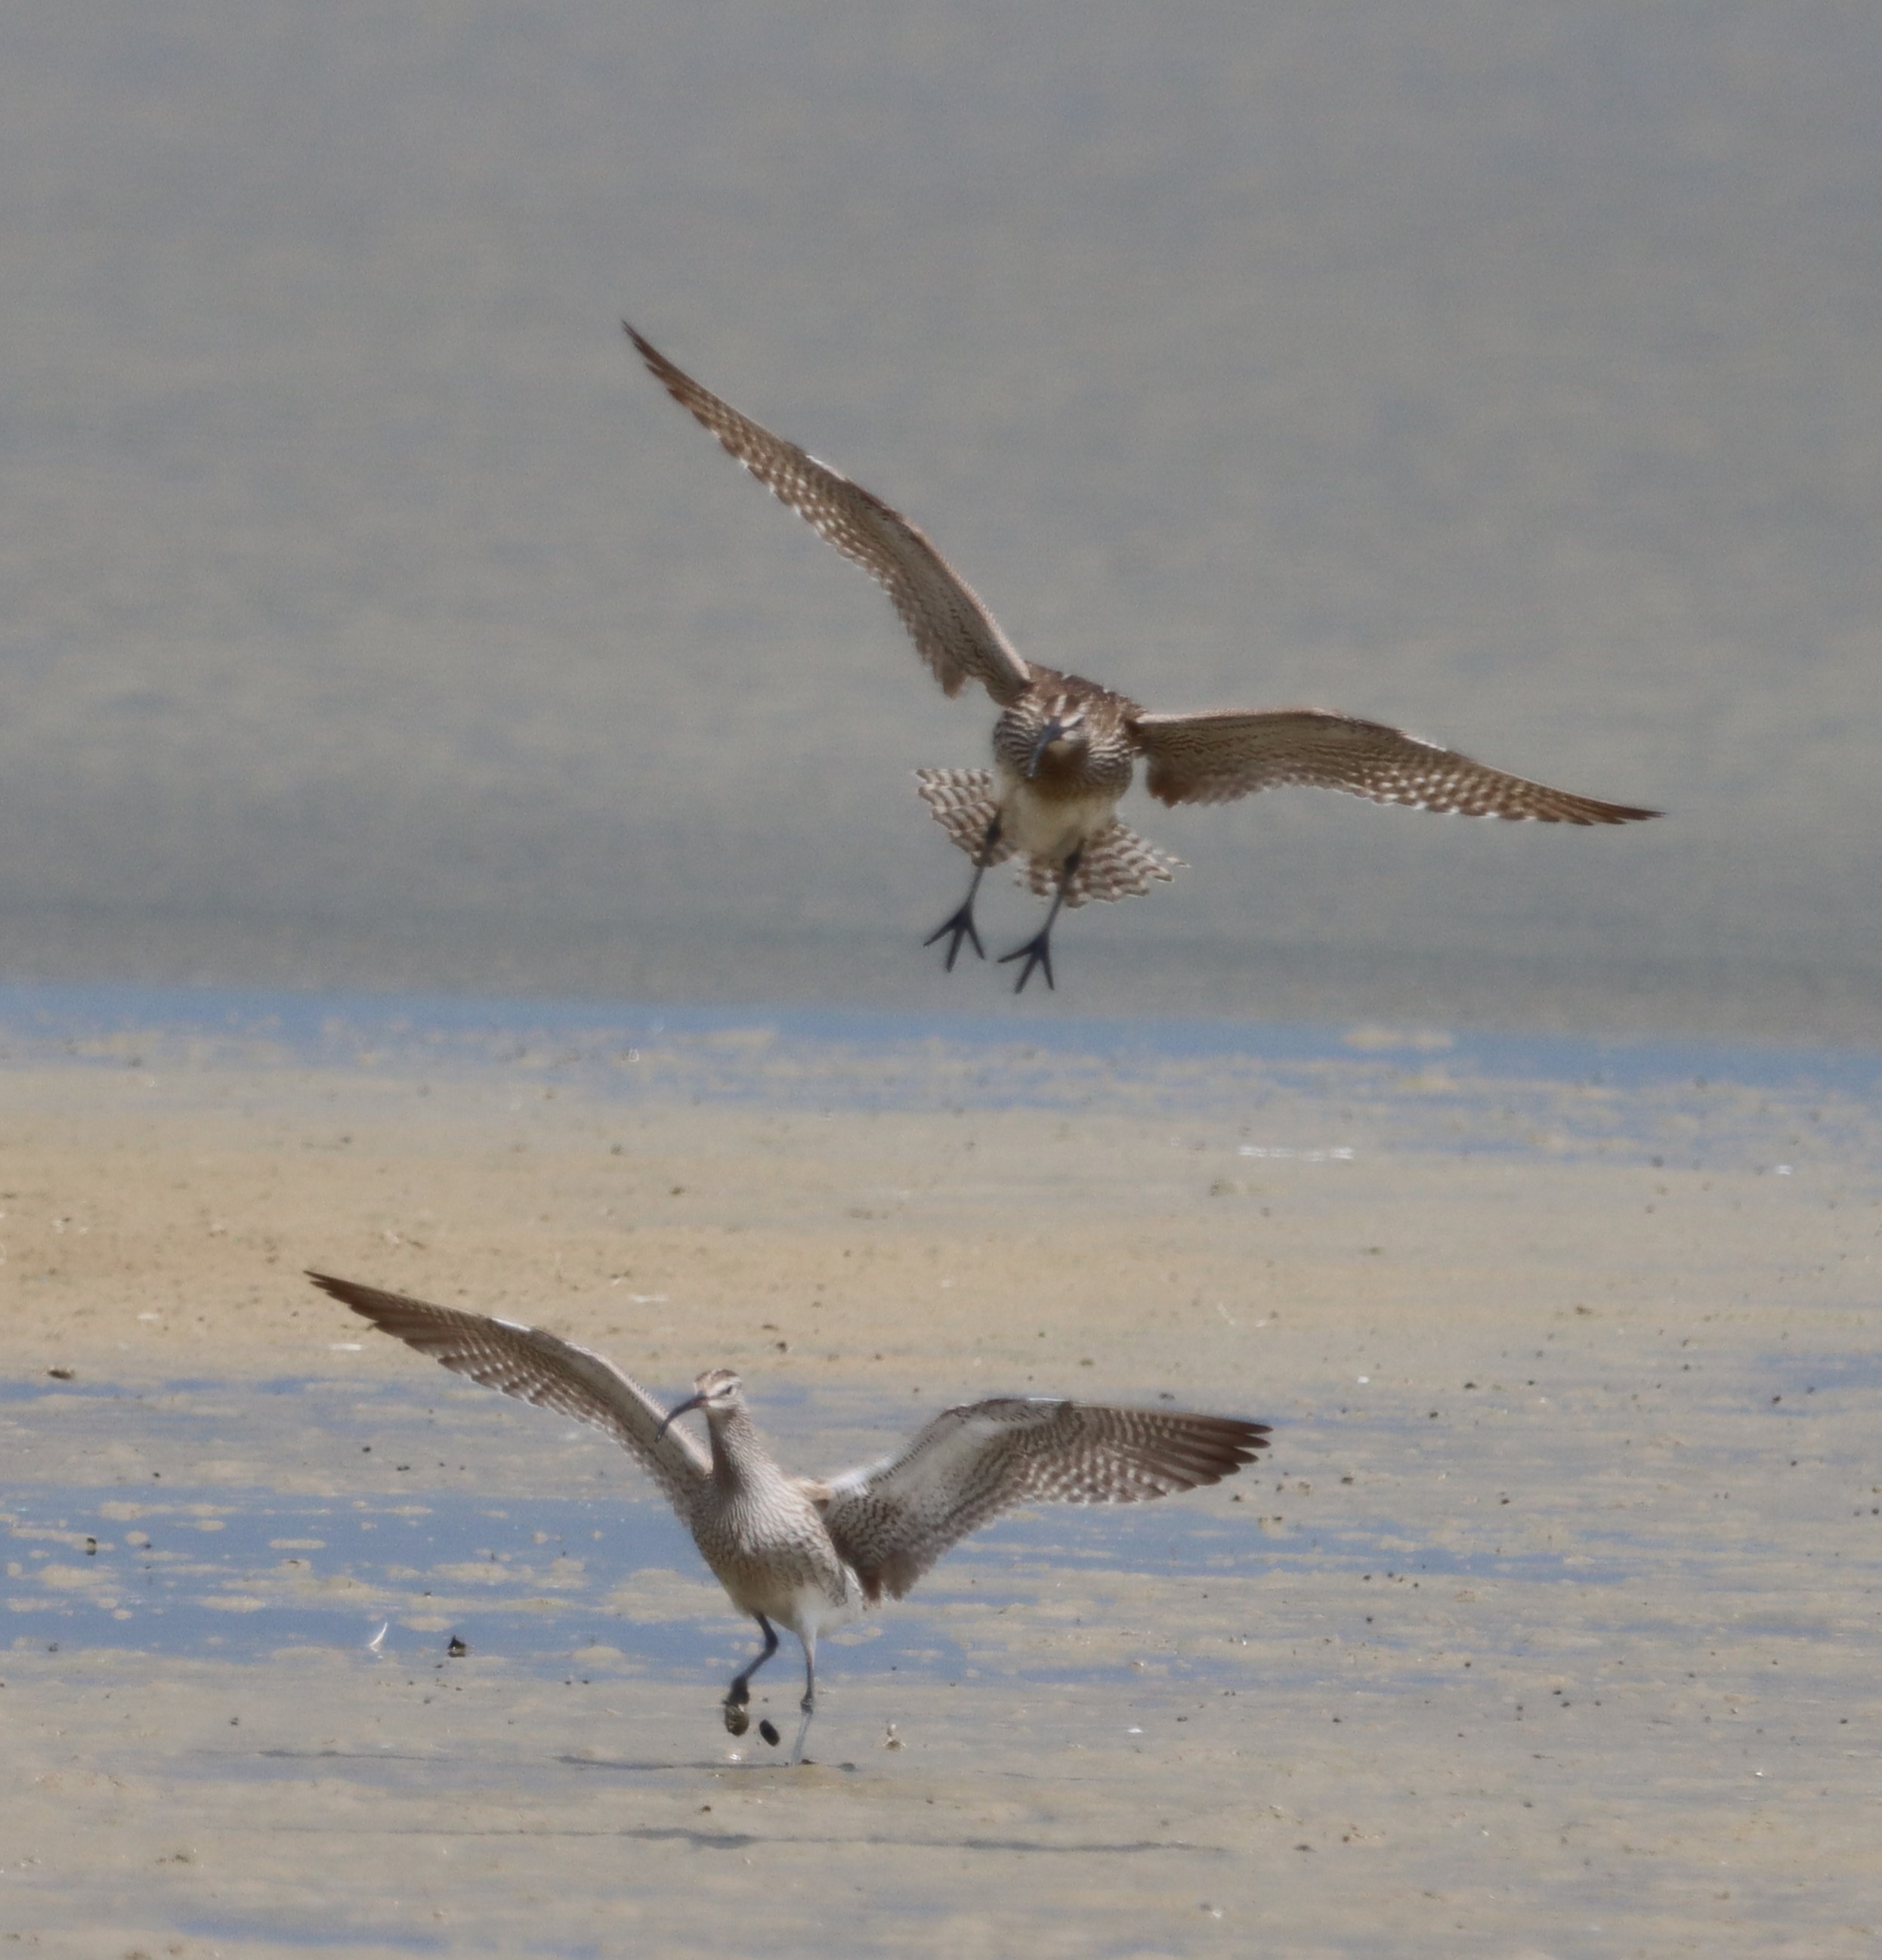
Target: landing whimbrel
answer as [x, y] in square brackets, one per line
[809, 1552]
[1064, 749]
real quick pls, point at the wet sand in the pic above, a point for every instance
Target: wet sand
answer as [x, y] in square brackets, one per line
[1550, 1627]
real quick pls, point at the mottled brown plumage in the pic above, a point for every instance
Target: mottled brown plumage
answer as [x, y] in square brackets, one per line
[1065, 748]
[811, 1553]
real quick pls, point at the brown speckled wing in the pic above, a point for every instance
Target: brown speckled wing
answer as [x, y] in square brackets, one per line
[1216, 757]
[892, 1520]
[953, 632]
[538, 1366]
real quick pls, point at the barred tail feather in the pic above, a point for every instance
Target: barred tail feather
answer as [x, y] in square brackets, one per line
[1116, 863]
[964, 802]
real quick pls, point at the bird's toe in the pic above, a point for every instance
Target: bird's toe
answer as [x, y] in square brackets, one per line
[961, 927]
[1038, 955]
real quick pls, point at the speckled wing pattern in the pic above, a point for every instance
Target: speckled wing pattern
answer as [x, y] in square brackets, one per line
[1216, 757]
[953, 632]
[538, 1366]
[892, 1520]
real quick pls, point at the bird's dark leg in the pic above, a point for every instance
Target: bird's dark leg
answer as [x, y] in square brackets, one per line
[738, 1695]
[1038, 950]
[962, 923]
[809, 1704]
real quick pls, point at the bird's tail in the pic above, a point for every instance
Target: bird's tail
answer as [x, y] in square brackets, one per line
[964, 802]
[1116, 863]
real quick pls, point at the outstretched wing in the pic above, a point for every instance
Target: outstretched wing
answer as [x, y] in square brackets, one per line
[1215, 757]
[540, 1367]
[892, 1520]
[952, 630]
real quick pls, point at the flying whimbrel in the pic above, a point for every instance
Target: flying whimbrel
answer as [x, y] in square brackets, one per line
[1064, 748]
[808, 1552]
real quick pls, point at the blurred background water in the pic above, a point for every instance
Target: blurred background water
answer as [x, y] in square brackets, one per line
[1505, 369]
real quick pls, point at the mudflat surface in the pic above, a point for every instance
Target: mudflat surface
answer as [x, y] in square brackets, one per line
[1548, 1628]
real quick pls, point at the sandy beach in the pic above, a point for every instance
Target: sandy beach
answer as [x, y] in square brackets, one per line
[1548, 1625]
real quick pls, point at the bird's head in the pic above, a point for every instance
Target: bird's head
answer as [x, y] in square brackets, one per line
[1063, 734]
[718, 1392]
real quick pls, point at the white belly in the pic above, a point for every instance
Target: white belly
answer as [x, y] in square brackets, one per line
[1050, 829]
[804, 1606]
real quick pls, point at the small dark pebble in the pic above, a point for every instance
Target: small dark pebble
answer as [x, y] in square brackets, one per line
[769, 1732]
[60, 1374]
[455, 1647]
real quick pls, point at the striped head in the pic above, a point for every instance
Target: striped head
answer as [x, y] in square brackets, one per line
[1067, 737]
[1062, 734]
[718, 1392]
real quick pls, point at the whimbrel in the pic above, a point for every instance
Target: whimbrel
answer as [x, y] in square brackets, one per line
[1065, 748]
[811, 1553]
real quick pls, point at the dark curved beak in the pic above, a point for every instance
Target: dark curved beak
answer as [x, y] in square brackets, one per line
[691, 1402]
[1046, 737]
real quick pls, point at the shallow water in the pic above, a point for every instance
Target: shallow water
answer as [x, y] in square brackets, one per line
[486, 1540]
[1696, 1104]
[243, 1571]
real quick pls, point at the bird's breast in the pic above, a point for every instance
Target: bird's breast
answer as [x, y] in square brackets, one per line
[1051, 819]
[802, 1590]
[770, 1549]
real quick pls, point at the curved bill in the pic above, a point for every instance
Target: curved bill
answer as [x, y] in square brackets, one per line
[691, 1402]
[1047, 736]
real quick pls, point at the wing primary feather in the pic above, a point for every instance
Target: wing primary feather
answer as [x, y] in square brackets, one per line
[1228, 752]
[953, 631]
[536, 1365]
[892, 1519]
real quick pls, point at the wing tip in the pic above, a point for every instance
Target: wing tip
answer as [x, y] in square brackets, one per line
[1243, 1444]
[1588, 812]
[656, 363]
[369, 1303]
